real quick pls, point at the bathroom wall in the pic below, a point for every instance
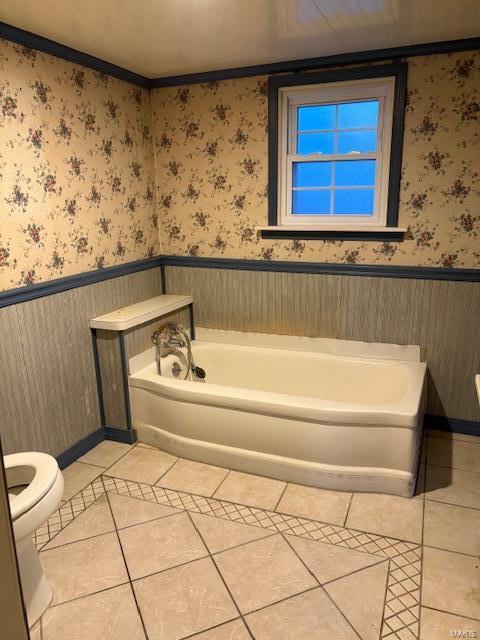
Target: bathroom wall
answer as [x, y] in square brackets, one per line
[440, 316]
[76, 169]
[211, 168]
[77, 192]
[48, 394]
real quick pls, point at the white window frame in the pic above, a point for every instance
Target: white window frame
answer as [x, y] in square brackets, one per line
[290, 98]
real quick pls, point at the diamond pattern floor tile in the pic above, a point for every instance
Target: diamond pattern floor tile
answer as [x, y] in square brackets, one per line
[401, 612]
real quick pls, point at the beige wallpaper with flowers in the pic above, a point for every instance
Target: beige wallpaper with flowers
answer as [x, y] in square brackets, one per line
[80, 155]
[211, 171]
[76, 169]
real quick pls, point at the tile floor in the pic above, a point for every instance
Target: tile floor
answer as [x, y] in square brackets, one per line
[151, 547]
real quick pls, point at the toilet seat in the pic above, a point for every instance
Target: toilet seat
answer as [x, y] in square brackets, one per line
[38, 471]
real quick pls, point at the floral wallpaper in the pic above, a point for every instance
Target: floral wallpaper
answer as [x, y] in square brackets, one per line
[96, 172]
[76, 169]
[211, 167]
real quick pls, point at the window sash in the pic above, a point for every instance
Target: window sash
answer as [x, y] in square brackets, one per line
[291, 98]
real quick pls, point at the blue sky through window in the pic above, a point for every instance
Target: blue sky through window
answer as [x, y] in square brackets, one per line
[335, 186]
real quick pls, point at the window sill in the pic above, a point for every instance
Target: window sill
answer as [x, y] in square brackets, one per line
[392, 234]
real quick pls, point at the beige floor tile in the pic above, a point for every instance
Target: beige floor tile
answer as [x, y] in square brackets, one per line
[452, 528]
[128, 511]
[360, 597]
[454, 453]
[183, 601]
[82, 568]
[253, 491]
[234, 630]
[77, 476]
[437, 625]
[193, 477]
[220, 535]
[270, 565]
[387, 515]
[142, 465]
[451, 582]
[453, 486]
[105, 453]
[160, 544]
[311, 615]
[448, 435]
[328, 562]
[95, 520]
[109, 615]
[317, 504]
[36, 632]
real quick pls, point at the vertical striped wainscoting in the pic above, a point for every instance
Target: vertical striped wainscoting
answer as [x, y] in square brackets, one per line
[440, 316]
[49, 397]
[137, 340]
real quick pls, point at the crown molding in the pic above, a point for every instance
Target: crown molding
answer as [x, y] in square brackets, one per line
[33, 41]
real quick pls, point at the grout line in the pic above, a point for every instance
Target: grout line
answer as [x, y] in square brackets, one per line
[295, 595]
[90, 464]
[139, 524]
[216, 626]
[321, 586]
[301, 560]
[449, 466]
[220, 574]
[382, 621]
[67, 544]
[241, 544]
[130, 448]
[420, 586]
[127, 570]
[452, 504]
[374, 564]
[175, 566]
[458, 553]
[287, 484]
[166, 470]
[348, 511]
[221, 482]
[86, 595]
[452, 613]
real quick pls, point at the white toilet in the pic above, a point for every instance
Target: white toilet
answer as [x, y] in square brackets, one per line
[35, 489]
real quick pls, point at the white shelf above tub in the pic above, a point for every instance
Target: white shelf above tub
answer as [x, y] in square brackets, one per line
[139, 313]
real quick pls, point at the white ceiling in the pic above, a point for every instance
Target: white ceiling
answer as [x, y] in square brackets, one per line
[171, 37]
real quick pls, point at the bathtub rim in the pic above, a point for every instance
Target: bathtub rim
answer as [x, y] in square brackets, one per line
[403, 413]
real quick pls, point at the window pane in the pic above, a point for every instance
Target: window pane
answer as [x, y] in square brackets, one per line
[353, 173]
[312, 174]
[315, 143]
[315, 118]
[353, 202]
[358, 114]
[311, 202]
[363, 141]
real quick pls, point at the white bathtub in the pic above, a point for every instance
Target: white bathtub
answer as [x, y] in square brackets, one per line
[327, 420]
